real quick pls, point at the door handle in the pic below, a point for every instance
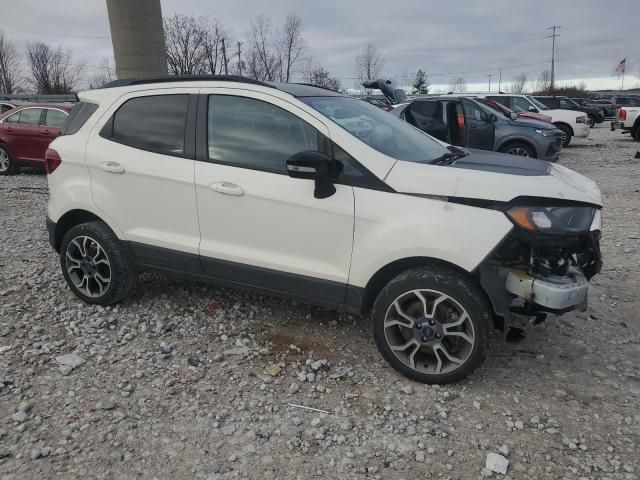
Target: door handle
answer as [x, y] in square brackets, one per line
[111, 167]
[9, 129]
[227, 188]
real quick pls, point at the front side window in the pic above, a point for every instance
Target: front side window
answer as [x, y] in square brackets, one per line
[155, 123]
[30, 116]
[55, 118]
[250, 133]
[520, 104]
[381, 131]
[473, 111]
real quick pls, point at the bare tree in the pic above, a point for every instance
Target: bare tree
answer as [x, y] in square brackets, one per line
[216, 43]
[519, 83]
[458, 85]
[293, 45]
[185, 38]
[544, 82]
[10, 71]
[369, 63]
[104, 74]
[263, 60]
[52, 70]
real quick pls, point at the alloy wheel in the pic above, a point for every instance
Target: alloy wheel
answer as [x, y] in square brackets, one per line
[88, 266]
[523, 152]
[4, 160]
[429, 331]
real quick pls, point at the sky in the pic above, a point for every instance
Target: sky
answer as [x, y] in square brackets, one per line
[460, 38]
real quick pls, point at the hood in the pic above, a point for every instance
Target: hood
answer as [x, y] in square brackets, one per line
[388, 88]
[533, 123]
[493, 176]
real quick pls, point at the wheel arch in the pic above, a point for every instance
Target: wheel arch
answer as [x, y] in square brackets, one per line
[511, 140]
[565, 124]
[389, 271]
[69, 220]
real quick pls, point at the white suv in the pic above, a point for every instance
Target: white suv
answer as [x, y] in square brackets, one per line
[572, 123]
[299, 191]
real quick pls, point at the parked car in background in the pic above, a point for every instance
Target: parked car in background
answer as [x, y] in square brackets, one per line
[565, 103]
[380, 102]
[466, 122]
[432, 240]
[571, 123]
[25, 134]
[607, 106]
[507, 111]
[626, 101]
[628, 120]
[5, 106]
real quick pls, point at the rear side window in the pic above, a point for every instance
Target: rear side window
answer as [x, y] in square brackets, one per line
[427, 109]
[80, 113]
[54, 118]
[155, 123]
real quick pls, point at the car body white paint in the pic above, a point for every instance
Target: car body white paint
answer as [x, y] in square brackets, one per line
[168, 202]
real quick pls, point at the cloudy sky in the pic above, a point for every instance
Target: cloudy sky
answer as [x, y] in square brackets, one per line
[466, 38]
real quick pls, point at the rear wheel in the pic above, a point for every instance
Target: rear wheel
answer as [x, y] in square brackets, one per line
[8, 165]
[94, 264]
[566, 134]
[431, 325]
[519, 148]
[592, 122]
[636, 133]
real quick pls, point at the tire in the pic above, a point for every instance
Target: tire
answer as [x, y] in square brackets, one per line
[592, 122]
[636, 133]
[103, 259]
[519, 148]
[566, 134]
[423, 358]
[8, 165]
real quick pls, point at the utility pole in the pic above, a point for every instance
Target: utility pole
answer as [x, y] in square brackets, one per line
[553, 53]
[225, 62]
[500, 81]
[239, 59]
[489, 75]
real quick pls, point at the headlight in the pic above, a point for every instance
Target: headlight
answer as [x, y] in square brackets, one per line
[554, 220]
[546, 133]
[581, 119]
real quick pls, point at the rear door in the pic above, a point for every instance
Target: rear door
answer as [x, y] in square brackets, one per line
[23, 130]
[479, 129]
[428, 116]
[141, 166]
[53, 120]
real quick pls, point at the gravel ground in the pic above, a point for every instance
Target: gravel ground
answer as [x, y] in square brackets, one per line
[192, 381]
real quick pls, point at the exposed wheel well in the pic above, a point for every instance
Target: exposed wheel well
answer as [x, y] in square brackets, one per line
[390, 271]
[557, 124]
[529, 143]
[70, 220]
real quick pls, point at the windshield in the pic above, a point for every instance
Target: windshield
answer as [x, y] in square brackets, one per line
[538, 104]
[378, 129]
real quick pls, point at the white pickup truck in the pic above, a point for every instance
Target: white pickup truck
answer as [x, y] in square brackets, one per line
[628, 120]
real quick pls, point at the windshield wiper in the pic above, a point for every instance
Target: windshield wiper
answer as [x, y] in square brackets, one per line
[449, 157]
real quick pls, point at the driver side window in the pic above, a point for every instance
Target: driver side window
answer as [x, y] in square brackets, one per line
[249, 133]
[520, 104]
[472, 111]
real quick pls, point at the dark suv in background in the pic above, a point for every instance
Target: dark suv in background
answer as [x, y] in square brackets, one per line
[565, 103]
[466, 122]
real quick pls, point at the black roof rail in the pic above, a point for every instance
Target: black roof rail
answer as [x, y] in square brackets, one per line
[186, 78]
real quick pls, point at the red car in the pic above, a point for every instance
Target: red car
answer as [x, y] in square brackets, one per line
[507, 111]
[25, 134]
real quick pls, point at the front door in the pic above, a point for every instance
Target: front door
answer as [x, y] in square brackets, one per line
[141, 166]
[23, 132]
[479, 129]
[259, 226]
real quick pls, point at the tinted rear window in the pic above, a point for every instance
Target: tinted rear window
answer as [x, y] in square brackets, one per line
[80, 113]
[155, 123]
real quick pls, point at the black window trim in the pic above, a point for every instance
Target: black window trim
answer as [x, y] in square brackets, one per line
[106, 131]
[368, 179]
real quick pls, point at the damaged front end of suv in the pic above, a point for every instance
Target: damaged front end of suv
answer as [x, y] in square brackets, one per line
[545, 262]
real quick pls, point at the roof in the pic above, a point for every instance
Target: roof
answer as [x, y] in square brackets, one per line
[62, 106]
[295, 89]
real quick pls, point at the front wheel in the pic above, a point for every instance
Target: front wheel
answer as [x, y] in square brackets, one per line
[519, 148]
[95, 265]
[566, 135]
[592, 122]
[432, 325]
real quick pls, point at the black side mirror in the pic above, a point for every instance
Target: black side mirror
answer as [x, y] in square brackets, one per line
[315, 166]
